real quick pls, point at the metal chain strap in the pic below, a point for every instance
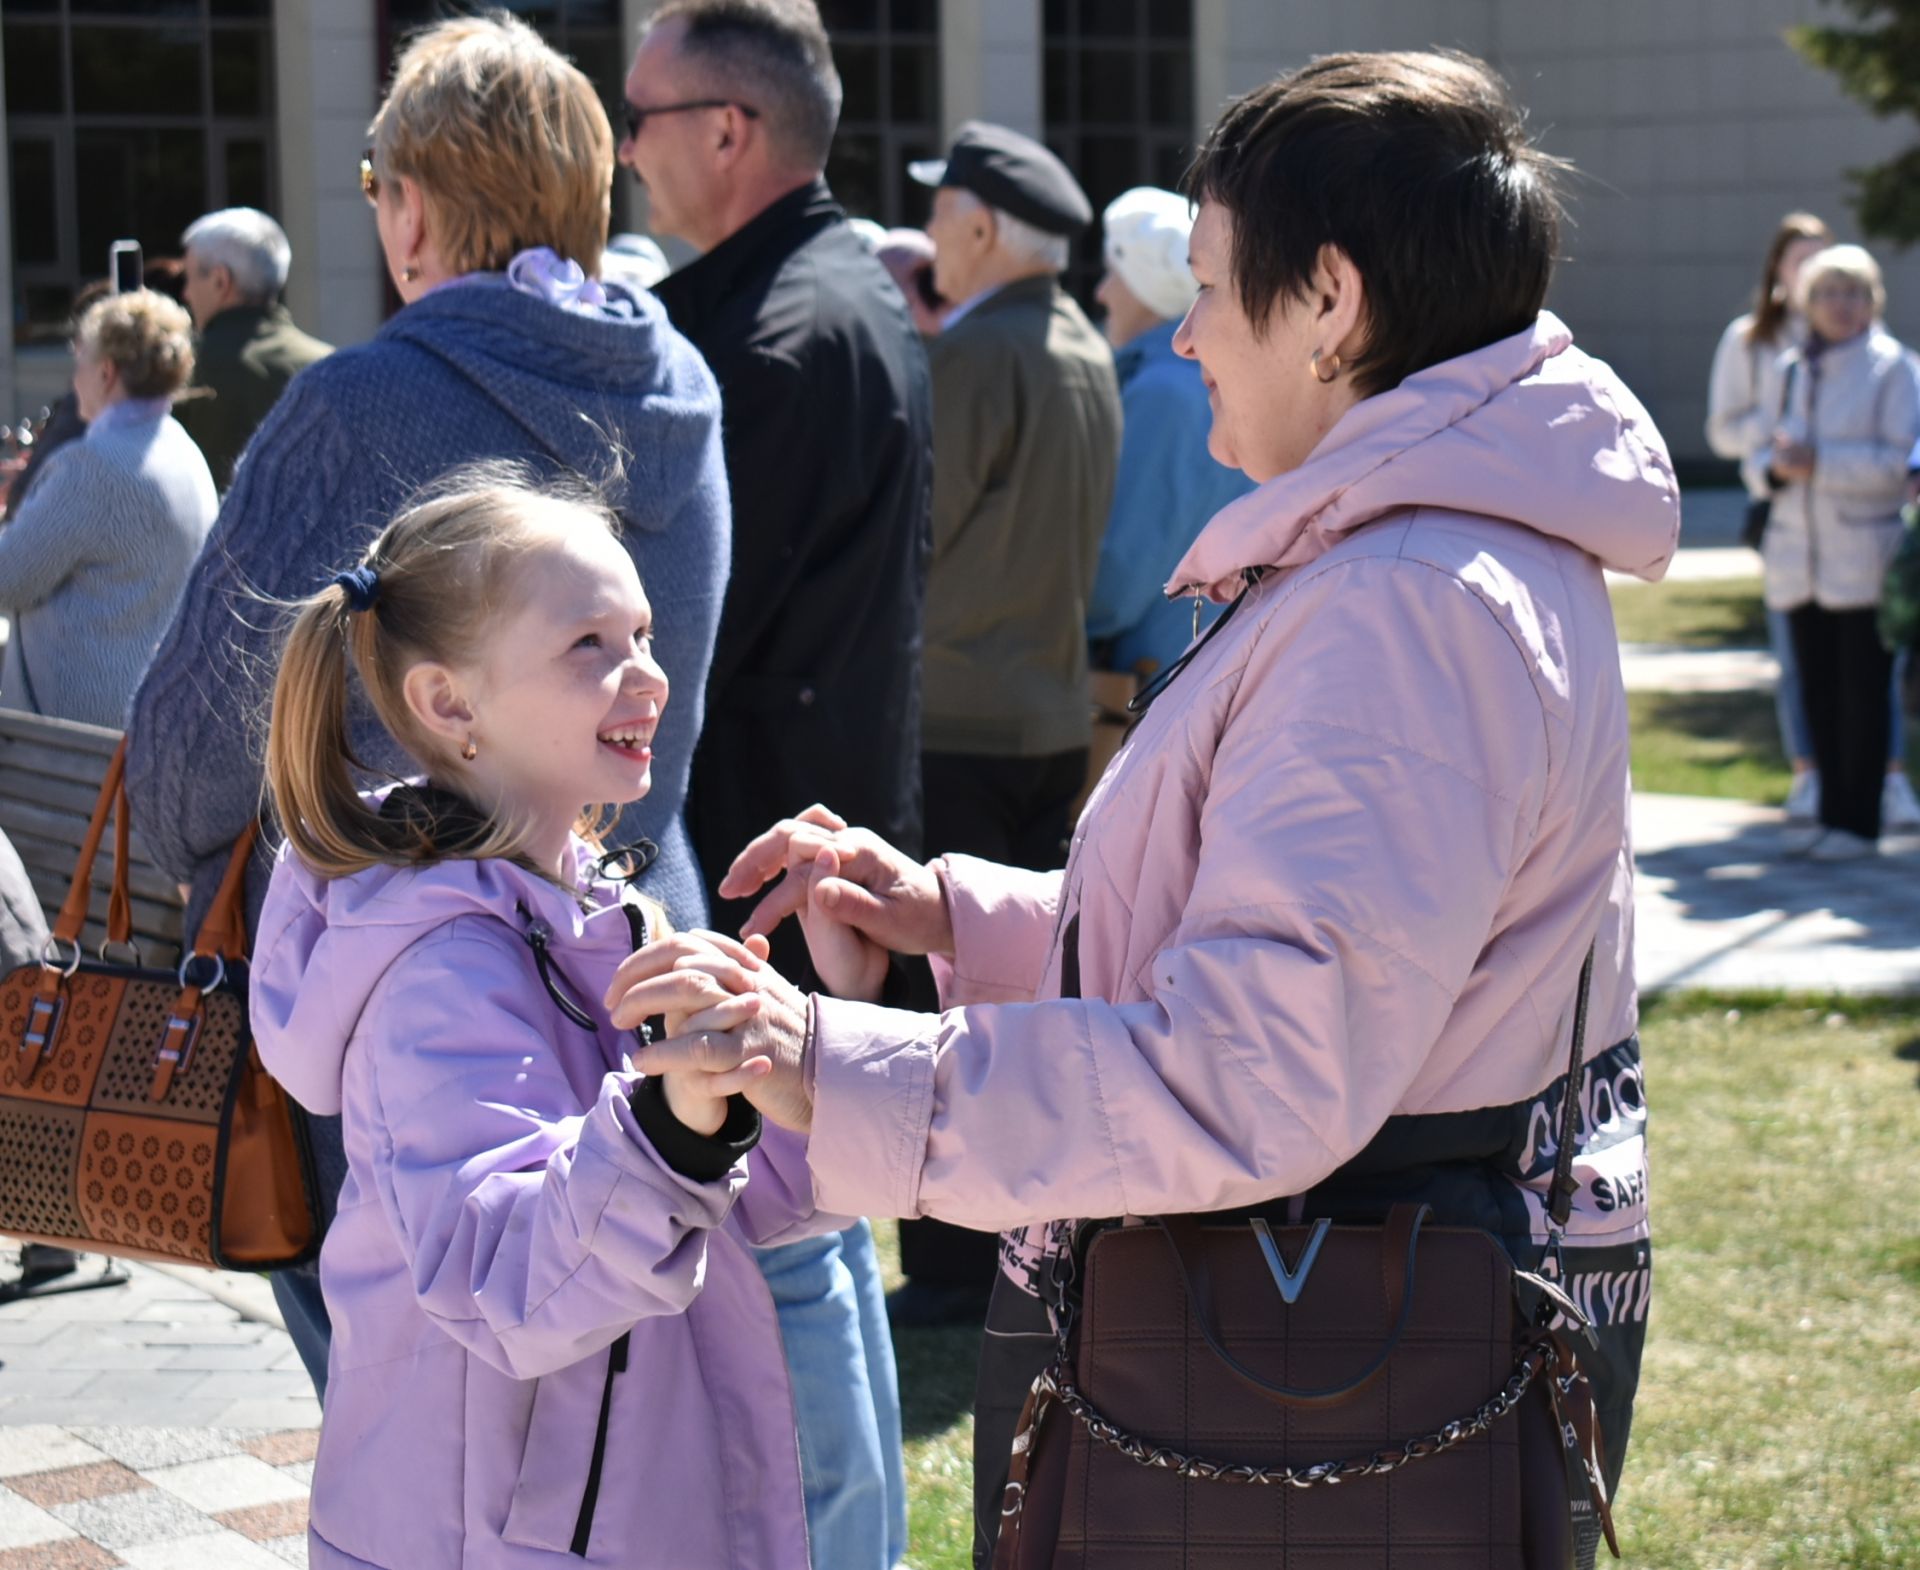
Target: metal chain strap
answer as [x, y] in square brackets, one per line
[1539, 1358]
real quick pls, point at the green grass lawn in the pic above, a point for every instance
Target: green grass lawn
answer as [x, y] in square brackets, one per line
[1718, 613]
[1779, 1413]
[1708, 744]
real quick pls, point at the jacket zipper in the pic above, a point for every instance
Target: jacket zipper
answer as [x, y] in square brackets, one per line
[583, 1526]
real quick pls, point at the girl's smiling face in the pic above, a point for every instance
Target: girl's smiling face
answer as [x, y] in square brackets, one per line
[562, 704]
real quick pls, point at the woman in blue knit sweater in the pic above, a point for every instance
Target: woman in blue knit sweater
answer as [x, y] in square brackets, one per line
[91, 568]
[489, 176]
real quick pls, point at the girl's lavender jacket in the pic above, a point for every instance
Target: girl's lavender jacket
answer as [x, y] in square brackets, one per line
[508, 1236]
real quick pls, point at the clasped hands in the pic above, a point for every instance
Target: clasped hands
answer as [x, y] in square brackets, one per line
[735, 1025]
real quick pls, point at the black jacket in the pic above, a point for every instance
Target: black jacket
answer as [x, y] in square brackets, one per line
[814, 693]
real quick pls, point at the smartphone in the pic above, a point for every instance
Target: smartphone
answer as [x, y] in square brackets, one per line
[123, 265]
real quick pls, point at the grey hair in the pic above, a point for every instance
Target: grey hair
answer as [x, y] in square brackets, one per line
[1024, 240]
[772, 55]
[249, 244]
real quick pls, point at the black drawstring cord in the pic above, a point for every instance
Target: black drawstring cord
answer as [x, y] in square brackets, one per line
[540, 939]
[1142, 700]
[642, 853]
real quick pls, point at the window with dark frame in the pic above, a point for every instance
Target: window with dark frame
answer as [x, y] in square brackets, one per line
[888, 56]
[588, 32]
[156, 112]
[1118, 103]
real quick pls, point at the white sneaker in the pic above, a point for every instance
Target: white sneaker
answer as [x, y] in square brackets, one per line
[1803, 800]
[1801, 838]
[1842, 845]
[1899, 807]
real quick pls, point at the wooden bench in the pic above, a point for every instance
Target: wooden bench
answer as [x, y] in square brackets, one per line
[50, 774]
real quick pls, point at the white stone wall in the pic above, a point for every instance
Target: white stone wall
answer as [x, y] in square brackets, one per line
[1694, 127]
[326, 89]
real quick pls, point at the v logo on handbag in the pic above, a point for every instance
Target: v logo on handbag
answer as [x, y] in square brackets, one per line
[1290, 1282]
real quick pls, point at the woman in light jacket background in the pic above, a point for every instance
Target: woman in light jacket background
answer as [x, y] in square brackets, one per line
[1835, 463]
[91, 568]
[1736, 425]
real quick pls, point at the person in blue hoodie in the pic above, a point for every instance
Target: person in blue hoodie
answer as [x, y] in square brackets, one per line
[1168, 485]
[489, 172]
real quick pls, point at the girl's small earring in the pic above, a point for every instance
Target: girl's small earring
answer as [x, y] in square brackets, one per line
[471, 750]
[1333, 369]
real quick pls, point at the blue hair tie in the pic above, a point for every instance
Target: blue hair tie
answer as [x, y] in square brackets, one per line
[362, 587]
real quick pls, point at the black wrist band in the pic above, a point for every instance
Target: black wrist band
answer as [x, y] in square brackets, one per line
[702, 1157]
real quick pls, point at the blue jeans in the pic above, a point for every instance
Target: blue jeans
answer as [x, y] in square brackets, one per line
[305, 1311]
[1790, 707]
[846, 1396]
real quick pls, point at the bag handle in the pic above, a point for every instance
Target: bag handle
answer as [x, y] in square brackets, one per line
[73, 913]
[222, 939]
[1399, 1242]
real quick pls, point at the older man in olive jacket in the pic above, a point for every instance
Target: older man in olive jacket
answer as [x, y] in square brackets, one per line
[1026, 440]
[237, 262]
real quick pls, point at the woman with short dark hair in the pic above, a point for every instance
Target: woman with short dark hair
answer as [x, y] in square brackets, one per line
[1320, 935]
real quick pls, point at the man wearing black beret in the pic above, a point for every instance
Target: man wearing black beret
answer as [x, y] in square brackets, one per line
[1026, 439]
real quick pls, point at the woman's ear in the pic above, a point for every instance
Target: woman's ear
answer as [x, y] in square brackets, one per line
[1340, 303]
[411, 232]
[437, 704]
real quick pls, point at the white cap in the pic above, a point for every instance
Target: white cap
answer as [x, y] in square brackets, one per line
[635, 260]
[1146, 244]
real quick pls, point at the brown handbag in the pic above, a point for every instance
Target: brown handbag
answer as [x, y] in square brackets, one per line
[136, 1118]
[1231, 1393]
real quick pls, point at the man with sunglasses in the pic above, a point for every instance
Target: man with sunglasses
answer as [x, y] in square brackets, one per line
[814, 693]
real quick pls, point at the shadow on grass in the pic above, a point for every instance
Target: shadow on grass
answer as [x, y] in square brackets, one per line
[1909, 1052]
[937, 1369]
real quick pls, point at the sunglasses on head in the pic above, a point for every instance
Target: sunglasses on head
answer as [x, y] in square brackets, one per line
[369, 181]
[636, 116]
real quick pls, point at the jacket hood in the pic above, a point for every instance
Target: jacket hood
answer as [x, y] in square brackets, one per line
[1529, 430]
[325, 943]
[571, 378]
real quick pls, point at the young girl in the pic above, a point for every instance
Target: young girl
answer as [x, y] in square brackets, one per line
[550, 1345]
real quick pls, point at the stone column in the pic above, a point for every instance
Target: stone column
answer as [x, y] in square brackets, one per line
[990, 54]
[326, 60]
[1212, 22]
[12, 408]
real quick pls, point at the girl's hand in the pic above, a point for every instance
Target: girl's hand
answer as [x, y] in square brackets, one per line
[691, 1098]
[849, 963]
[683, 974]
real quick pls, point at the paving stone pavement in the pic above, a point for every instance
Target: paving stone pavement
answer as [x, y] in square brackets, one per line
[154, 1425]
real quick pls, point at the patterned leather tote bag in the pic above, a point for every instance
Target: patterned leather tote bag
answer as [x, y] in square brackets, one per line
[136, 1118]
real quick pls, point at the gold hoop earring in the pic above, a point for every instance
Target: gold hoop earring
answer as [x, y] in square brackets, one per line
[471, 750]
[408, 274]
[1313, 365]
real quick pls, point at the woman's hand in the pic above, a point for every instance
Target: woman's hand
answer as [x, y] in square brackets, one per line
[1791, 460]
[863, 884]
[693, 975]
[759, 1053]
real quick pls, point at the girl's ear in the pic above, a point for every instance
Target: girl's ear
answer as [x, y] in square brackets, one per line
[435, 700]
